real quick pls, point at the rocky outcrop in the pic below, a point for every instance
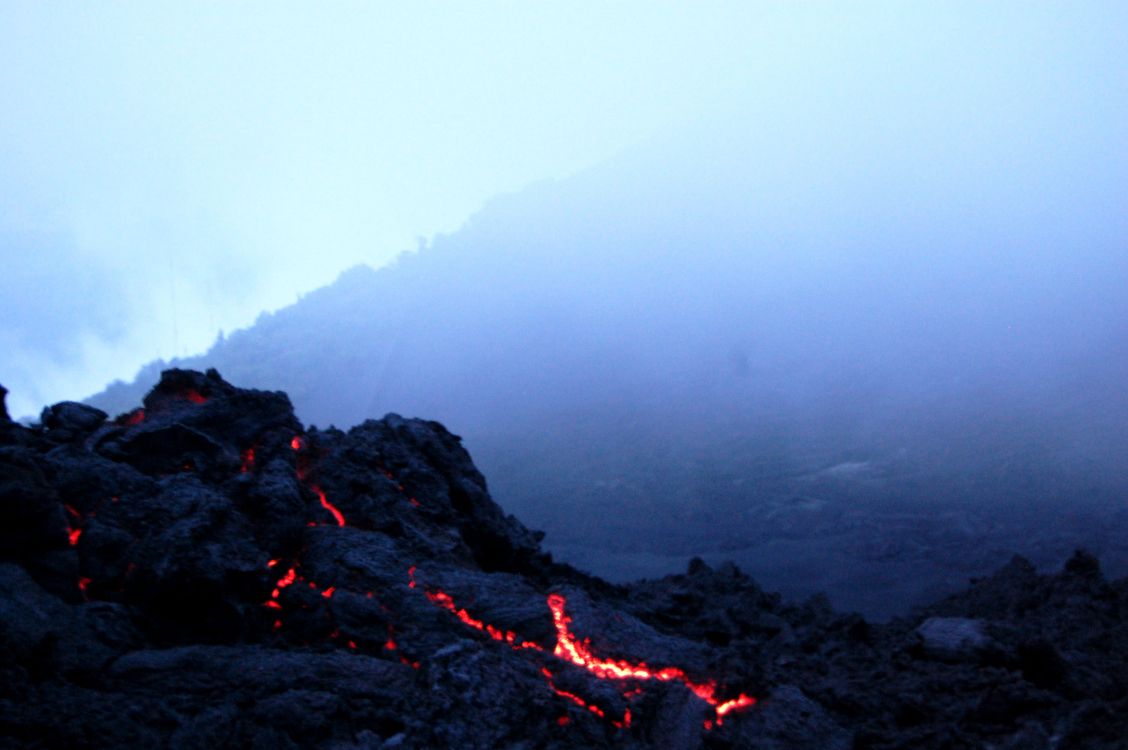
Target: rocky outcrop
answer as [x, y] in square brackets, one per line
[207, 572]
[953, 638]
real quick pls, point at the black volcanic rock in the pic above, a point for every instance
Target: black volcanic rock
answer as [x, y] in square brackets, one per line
[205, 572]
[70, 418]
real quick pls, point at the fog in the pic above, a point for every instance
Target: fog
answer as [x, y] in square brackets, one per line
[183, 168]
[835, 292]
[167, 173]
[764, 337]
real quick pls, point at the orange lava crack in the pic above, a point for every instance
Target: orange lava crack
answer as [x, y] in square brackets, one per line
[328, 505]
[570, 648]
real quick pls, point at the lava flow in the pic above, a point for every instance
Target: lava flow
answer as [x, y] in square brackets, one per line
[625, 723]
[298, 445]
[337, 515]
[443, 600]
[132, 419]
[248, 457]
[194, 396]
[74, 532]
[572, 649]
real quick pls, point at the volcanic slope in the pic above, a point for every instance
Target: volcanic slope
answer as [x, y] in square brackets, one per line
[205, 572]
[655, 360]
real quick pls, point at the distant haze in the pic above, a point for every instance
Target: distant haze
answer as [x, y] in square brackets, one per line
[868, 339]
[170, 172]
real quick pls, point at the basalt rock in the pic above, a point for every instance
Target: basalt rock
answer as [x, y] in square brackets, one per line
[207, 572]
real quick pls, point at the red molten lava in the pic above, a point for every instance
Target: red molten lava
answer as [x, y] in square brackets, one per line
[297, 443]
[507, 636]
[328, 506]
[570, 648]
[571, 696]
[624, 724]
[442, 599]
[74, 533]
[194, 396]
[283, 582]
[248, 461]
[135, 417]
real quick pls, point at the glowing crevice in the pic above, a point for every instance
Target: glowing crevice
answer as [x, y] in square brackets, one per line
[578, 652]
[337, 515]
[569, 648]
[132, 419]
[191, 394]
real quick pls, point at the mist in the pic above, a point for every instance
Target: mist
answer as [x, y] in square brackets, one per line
[189, 168]
[836, 292]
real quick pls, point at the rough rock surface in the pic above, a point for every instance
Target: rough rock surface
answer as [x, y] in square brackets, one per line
[207, 573]
[953, 638]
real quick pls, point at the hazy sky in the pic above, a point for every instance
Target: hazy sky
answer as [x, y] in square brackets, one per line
[171, 170]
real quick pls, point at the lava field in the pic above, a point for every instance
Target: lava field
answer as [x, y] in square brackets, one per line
[206, 572]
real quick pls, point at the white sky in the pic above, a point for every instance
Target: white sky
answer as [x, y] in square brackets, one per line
[170, 170]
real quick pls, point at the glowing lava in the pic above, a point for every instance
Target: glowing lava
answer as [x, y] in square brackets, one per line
[248, 461]
[298, 445]
[328, 506]
[401, 489]
[194, 396]
[133, 418]
[571, 649]
[74, 532]
[441, 599]
[578, 652]
[291, 578]
[283, 582]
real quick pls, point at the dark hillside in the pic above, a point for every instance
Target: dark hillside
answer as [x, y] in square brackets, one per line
[205, 571]
[664, 358]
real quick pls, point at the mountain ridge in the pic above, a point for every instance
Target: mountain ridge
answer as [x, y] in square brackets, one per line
[683, 342]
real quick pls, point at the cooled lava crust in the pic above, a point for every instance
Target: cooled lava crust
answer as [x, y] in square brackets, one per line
[205, 572]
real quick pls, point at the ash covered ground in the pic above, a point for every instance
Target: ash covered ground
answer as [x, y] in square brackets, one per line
[207, 572]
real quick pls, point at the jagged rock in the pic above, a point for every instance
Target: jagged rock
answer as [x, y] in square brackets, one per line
[789, 719]
[1084, 565]
[43, 633]
[207, 573]
[1032, 736]
[953, 638]
[32, 519]
[73, 417]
